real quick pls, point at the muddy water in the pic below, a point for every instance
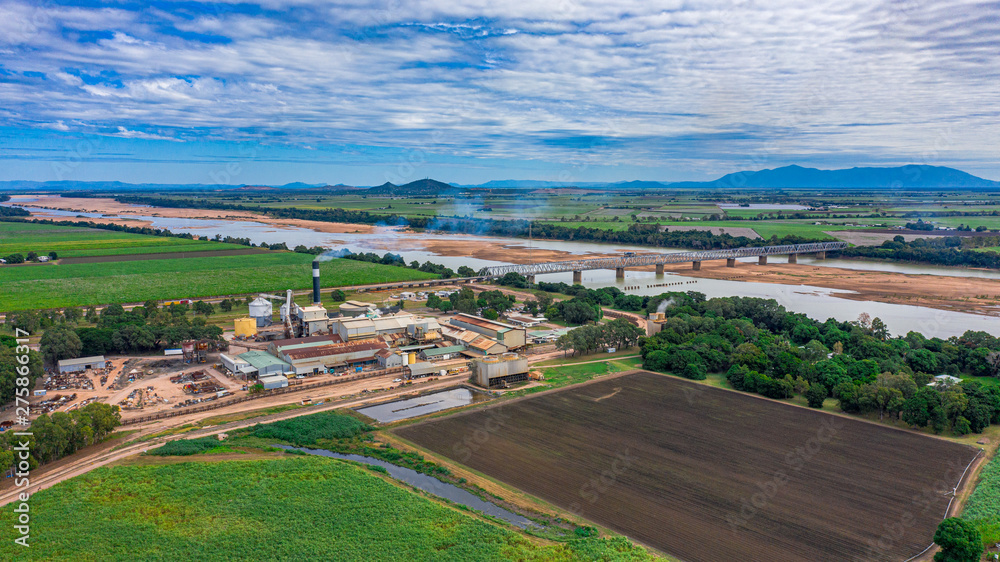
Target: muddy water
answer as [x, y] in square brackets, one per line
[817, 302]
[423, 405]
[426, 483]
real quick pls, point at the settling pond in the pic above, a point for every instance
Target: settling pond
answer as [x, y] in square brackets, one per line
[422, 405]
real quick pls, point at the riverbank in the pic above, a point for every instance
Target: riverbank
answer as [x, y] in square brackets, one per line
[107, 206]
[959, 294]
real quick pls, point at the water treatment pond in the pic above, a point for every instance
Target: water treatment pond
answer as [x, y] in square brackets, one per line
[426, 483]
[422, 405]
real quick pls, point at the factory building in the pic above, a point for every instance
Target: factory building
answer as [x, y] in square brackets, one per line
[475, 343]
[499, 370]
[356, 308]
[272, 382]
[277, 346]
[441, 353]
[81, 364]
[654, 323]
[511, 336]
[313, 319]
[392, 328]
[233, 364]
[263, 364]
[389, 359]
[348, 355]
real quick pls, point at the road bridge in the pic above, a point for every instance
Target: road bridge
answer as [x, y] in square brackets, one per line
[620, 263]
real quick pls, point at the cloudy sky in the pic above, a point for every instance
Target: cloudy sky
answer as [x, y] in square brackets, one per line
[467, 91]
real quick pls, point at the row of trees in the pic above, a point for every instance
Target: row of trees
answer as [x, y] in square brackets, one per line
[618, 333]
[762, 348]
[9, 363]
[945, 250]
[144, 328]
[397, 260]
[61, 434]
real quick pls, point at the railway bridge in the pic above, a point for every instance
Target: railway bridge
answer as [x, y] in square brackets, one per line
[620, 263]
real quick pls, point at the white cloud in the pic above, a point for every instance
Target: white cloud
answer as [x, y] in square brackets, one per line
[127, 134]
[720, 80]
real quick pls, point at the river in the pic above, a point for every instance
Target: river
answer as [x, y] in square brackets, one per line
[816, 302]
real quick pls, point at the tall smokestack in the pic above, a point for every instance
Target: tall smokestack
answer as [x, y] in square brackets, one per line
[316, 282]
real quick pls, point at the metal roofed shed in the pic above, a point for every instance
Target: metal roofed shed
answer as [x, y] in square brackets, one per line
[265, 363]
[272, 382]
[82, 364]
[442, 352]
[423, 369]
[354, 308]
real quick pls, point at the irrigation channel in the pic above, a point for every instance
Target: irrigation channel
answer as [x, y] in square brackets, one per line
[817, 302]
[426, 483]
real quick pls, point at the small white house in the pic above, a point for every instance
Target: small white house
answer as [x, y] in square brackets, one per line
[944, 381]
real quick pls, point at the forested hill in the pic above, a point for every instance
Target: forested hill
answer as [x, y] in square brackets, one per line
[902, 177]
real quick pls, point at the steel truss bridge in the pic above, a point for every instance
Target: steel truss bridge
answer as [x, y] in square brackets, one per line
[619, 263]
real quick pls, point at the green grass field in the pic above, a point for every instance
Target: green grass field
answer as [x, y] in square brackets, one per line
[983, 507]
[54, 285]
[71, 241]
[281, 508]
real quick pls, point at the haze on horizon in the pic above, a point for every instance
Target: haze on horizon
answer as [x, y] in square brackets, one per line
[470, 91]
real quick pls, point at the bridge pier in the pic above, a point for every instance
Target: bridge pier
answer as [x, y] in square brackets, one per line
[619, 273]
[793, 258]
[659, 270]
[730, 262]
[578, 278]
[821, 255]
[531, 279]
[762, 260]
[696, 265]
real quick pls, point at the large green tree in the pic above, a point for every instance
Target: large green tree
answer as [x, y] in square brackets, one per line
[959, 541]
[60, 342]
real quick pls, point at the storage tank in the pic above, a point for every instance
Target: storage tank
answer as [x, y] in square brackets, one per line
[261, 311]
[246, 327]
[413, 357]
[406, 358]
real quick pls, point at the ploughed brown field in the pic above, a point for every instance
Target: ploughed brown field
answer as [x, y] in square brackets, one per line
[707, 474]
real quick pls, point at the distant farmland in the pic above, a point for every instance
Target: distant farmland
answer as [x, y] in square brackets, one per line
[74, 241]
[706, 474]
[83, 284]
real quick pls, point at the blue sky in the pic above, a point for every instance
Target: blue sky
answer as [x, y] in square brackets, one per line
[473, 90]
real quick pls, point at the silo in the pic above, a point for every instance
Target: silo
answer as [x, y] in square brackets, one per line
[406, 358]
[261, 311]
[413, 357]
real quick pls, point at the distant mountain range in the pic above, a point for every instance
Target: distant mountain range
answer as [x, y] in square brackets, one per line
[902, 177]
